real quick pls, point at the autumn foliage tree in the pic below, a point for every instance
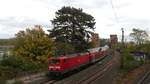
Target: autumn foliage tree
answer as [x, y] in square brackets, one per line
[141, 39]
[33, 44]
[73, 27]
[139, 36]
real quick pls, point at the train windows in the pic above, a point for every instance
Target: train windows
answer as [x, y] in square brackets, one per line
[100, 49]
[65, 61]
[54, 61]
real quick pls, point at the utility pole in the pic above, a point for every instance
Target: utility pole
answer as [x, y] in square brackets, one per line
[122, 37]
[122, 46]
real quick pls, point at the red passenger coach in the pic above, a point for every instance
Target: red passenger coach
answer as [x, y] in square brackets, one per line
[66, 63]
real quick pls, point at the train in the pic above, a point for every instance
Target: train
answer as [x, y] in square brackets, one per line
[57, 66]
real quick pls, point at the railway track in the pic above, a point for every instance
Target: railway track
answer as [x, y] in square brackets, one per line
[96, 75]
[49, 82]
[145, 79]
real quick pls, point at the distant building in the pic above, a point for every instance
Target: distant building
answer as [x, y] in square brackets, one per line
[113, 39]
[95, 40]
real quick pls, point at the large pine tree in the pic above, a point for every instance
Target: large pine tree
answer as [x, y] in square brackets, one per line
[72, 26]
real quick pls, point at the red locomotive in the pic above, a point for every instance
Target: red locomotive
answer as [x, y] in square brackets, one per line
[66, 63]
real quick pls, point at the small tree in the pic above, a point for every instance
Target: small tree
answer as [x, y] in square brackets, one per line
[104, 42]
[139, 36]
[33, 44]
[72, 26]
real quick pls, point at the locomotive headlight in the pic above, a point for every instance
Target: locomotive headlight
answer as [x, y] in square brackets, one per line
[54, 67]
[57, 67]
[50, 67]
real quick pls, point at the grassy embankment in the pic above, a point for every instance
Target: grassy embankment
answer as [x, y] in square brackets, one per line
[130, 68]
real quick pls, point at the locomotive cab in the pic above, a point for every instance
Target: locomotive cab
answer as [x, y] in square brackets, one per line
[56, 66]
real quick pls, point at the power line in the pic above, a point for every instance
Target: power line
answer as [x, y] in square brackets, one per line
[115, 14]
[117, 21]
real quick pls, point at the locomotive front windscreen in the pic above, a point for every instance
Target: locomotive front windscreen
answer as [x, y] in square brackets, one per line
[54, 61]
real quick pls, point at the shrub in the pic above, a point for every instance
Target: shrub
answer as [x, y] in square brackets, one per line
[14, 66]
[128, 62]
[18, 82]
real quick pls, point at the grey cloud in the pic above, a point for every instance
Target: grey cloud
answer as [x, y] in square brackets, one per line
[135, 22]
[13, 22]
[11, 25]
[130, 22]
[88, 4]
[91, 3]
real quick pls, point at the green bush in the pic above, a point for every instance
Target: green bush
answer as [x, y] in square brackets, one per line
[33, 67]
[12, 62]
[18, 82]
[2, 81]
[14, 66]
[128, 62]
[10, 67]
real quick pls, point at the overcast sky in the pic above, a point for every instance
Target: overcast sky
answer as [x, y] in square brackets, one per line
[110, 15]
